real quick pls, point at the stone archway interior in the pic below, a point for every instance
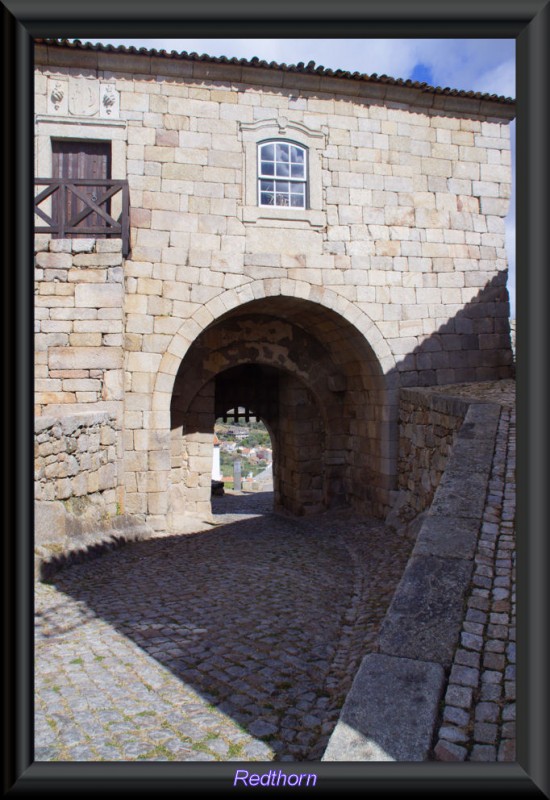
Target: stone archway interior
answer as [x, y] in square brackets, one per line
[313, 380]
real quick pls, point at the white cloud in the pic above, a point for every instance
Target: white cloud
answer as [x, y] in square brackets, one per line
[500, 80]
[480, 65]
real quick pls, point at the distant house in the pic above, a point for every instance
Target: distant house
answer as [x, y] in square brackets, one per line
[216, 467]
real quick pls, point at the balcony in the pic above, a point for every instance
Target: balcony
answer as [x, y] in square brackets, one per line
[91, 207]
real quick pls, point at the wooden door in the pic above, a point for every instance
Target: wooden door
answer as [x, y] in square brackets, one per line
[80, 160]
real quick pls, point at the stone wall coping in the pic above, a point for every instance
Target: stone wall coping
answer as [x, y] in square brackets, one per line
[436, 401]
[372, 729]
[429, 627]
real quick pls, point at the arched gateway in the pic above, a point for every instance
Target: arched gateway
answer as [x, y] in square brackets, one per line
[318, 384]
[212, 233]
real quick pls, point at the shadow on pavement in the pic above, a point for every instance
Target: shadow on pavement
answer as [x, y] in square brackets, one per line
[250, 614]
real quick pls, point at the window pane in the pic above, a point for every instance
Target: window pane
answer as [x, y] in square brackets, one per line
[297, 201]
[283, 170]
[282, 177]
[282, 186]
[268, 168]
[268, 152]
[282, 152]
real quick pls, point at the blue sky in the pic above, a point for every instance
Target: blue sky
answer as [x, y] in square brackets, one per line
[481, 65]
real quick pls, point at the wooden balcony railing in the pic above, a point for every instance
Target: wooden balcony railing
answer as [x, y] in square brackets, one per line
[83, 207]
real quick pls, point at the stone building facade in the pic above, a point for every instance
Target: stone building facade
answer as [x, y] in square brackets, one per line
[373, 259]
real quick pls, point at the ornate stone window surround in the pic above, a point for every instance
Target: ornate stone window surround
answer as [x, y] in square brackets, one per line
[281, 129]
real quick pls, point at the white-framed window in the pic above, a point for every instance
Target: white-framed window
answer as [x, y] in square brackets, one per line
[282, 174]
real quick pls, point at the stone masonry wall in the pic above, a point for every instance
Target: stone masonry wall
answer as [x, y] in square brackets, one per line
[403, 237]
[79, 386]
[79, 326]
[428, 424]
[76, 461]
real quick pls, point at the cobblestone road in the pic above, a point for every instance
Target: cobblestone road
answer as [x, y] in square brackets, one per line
[238, 643]
[479, 706]
[241, 642]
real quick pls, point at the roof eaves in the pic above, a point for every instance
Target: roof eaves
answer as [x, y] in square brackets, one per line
[310, 69]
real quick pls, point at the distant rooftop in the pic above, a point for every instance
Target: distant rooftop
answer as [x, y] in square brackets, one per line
[305, 69]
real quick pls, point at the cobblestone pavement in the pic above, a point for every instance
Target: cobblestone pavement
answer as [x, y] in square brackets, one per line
[479, 705]
[241, 642]
[236, 643]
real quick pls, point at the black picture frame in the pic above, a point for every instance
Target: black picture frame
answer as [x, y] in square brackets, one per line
[528, 22]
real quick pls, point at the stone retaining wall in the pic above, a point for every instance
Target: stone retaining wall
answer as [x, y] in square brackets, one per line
[428, 424]
[79, 493]
[76, 461]
[420, 632]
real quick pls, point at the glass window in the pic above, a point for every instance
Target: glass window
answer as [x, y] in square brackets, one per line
[282, 174]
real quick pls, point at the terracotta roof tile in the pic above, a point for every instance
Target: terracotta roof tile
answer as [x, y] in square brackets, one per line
[305, 69]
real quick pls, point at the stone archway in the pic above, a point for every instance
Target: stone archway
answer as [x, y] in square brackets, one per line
[333, 424]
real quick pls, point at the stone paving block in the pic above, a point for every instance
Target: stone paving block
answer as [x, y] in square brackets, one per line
[458, 716]
[449, 751]
[483, 752]
[426, 612]
[389, 713]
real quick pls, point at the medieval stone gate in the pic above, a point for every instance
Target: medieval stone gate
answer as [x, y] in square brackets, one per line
[318, 385]
[304, 241]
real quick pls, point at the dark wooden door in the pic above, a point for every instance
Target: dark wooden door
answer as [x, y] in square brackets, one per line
[80, 160]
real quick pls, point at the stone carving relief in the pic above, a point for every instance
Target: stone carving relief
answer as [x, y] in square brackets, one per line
[109, 101]
[58, 93]
[83, 97]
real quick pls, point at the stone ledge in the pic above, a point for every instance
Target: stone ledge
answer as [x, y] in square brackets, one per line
[447, 537]
[424, 619]
[425, 615]
[389, 711]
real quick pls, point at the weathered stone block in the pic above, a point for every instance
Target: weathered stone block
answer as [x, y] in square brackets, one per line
[372, 729]
[424, 618]
[98, 295]
[84, 358]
